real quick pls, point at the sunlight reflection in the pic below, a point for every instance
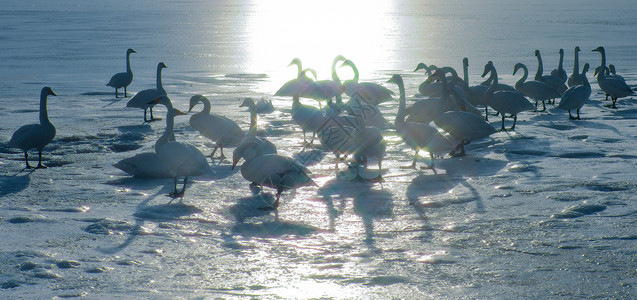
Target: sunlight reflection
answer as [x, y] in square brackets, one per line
[283, 29]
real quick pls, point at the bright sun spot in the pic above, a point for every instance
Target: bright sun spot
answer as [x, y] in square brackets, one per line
[316, 32]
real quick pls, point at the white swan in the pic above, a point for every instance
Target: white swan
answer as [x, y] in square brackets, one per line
[576, 77]
[428, 88]
[465, 127]
[576, 96]
[369, 143]
[559, 72]
[122, 80]
[277, 172]
[252, 145]
[35, 136]
[183, 160]
[612, 86]
[474, 94]
[417, 135]
[534, 89]
[326, 89]
[505, 102]
[147, 164]
[371, 92]
[144, 99]
[221, 130]
[553, 81]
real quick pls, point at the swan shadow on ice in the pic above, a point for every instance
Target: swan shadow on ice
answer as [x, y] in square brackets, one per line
[336, 190]
[371, 204]
[15, 183]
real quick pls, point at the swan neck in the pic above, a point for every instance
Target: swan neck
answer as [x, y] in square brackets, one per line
[576, 63]
[402, 106]
[128, 70]
[160, 86]
[560, 64]
[355, 70]
[524, 77]
[169, 134]
[44, 115]
[493, 77]
[465, 70]
[206, 106]
[253, 120]
[540, 67]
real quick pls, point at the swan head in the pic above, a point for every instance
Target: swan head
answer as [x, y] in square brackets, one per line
[577, 49]
[161, 65]
[611, 68]
[599, 49]
[422, 66]
[487, 68]
[397, 79]
[338, 58]
[601, 70]
[585, 68]
[517, 67]
[130, 50]
[561, 52]
[194, 100]
[537, 52]
[465, 62]
[247, 102]
[47, 91]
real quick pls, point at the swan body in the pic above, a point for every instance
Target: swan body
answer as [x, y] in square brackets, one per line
[223, 131]
[122, 80]
[144, 99]
[326, 89]
[369, 143]
[35, 136]
[559, 72]
[183, 160]
[576, 77]
[464, 127]
[474, 94]
[416, 135]
[275, 171]
[576, 96]
[615, 88]
[252, 145]
[373, 93]
[505, 102]
[534, 89]
[553, 81]
[147, 164]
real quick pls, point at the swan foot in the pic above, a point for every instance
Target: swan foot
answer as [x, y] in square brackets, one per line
[428, 168]
[39, 166]
[176, 194]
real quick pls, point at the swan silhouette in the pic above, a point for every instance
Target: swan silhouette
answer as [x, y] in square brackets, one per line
[122, 80]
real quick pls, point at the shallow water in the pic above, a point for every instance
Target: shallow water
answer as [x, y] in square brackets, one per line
[546, 211]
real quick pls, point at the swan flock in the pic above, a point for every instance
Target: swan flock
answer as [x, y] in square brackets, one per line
[444, 116]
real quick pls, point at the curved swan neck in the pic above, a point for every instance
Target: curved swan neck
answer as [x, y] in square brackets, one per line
[355, 70]
[402, 106]
[206, 105]
[493, 77]
[521, 81]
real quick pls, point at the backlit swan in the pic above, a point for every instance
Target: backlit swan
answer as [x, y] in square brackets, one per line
[576, 96]
[576, 77]
[221, 130]
[553, 81]
[428, 88]
[144, 99]
[183, 160]
[559, 72]
[465, 127]
[147, 164]
[534, 89]
[252, 145]
[35, 136]
[505, 102]
[613, 87]
[373, 93]
[122, 80]
[275, 171]
[417, 135]
[369, 143]
[474, 94]
[326, 89]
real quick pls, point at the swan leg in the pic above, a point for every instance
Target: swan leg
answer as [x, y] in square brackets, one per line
[145, 117]
[614, 100]
[433, 163]
[125, 95]
[570, 116]
[578, 114]
[26, 159]
[175, 193]
[486, 113]
[212, 155]
[502, 128]
[40, 165]
[152, 118]
[461, 146]
[515, 119]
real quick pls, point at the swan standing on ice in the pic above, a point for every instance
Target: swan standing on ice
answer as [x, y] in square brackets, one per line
[221, 130]
[275, 171]
[614, 87]
[534, 89]
[35, 136]
[504, 102]
[251, 145]
[417, 135]
[576, 96]
[122, 80]
[144, 99]
[182, 159]
[373, 93]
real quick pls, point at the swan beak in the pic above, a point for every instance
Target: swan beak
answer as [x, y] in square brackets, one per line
[179, 112]
[235, 160]
[53, 94]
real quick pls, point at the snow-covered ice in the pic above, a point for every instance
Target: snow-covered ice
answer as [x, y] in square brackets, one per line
[545, 211]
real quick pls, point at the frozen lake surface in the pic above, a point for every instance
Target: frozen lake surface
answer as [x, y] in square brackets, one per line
[546, 211]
